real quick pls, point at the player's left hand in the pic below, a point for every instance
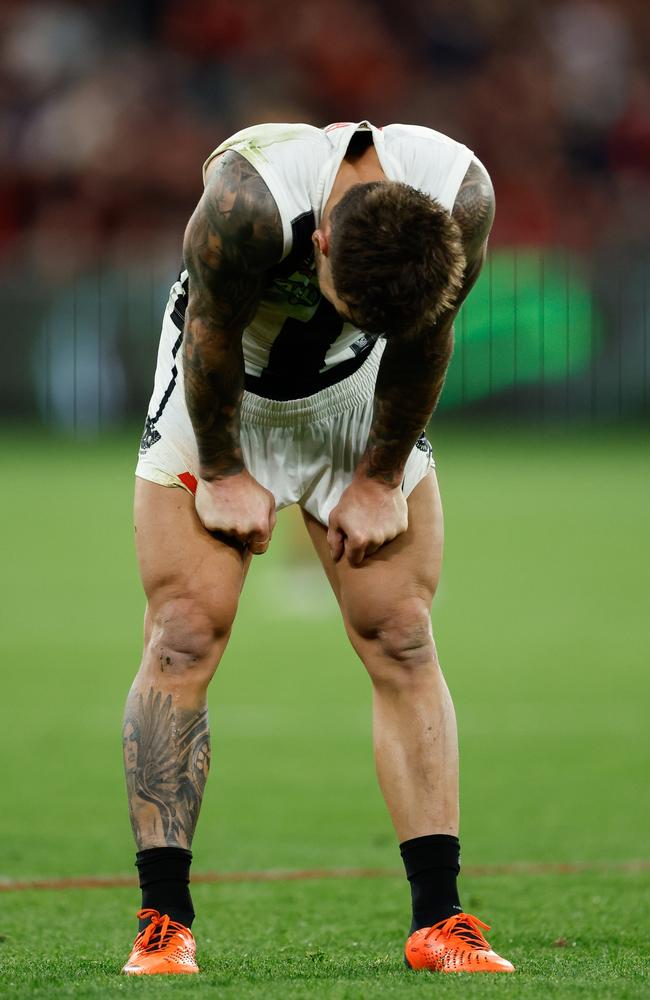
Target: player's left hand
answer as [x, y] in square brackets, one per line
[368, 515]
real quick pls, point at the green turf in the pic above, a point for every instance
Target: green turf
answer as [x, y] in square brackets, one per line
[569, 936]
[542, 626]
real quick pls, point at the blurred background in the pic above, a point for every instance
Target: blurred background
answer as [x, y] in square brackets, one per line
[107, 111]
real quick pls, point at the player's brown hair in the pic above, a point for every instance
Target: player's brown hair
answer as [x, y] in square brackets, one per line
[396, 256]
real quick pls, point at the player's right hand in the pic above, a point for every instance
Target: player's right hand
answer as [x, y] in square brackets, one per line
[237, 506]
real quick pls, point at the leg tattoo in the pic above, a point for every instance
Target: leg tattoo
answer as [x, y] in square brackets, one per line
[167, 759]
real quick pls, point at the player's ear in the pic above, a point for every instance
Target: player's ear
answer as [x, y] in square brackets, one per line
[321, 242]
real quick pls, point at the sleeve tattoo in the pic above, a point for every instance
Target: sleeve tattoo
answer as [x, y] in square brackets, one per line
[412, 372]
[233, 237]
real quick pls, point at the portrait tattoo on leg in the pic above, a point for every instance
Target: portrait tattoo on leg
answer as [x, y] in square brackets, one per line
[166, 759]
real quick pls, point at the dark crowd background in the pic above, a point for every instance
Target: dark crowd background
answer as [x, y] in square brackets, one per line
[108, 109]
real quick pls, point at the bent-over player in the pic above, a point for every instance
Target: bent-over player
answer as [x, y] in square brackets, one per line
[302, 354]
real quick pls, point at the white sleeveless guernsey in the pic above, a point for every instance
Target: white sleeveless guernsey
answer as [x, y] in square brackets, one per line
[296, 343]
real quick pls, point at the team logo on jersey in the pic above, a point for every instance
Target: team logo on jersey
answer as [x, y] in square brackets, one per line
[364, 343]
[150, 435]
[423, 444]
[299, 290]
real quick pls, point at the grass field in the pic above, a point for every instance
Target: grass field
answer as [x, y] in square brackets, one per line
[542, 626]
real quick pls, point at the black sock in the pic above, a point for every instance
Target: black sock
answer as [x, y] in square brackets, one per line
[432, 865]
[165, 880]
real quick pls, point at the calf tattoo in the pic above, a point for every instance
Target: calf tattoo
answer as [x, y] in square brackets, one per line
[166, 759]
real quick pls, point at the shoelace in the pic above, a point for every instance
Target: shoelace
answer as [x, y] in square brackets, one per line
[157, 933]
[464, 926]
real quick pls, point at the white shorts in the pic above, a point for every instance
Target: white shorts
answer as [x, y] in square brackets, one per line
[303, 450]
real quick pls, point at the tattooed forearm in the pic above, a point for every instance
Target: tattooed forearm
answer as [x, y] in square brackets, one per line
[214, 386]
[234, 236]
[166, 759]
[412, 372]
[409, 382]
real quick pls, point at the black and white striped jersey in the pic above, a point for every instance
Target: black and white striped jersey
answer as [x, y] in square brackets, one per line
[296, 343]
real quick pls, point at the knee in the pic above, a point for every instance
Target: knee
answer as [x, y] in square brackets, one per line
[396, 643]
[405, 636]
[187, 637]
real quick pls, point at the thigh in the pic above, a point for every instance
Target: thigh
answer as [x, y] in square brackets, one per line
[178, 558]
[408, 567]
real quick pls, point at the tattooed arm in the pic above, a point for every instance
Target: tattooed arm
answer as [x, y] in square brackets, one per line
[412, 371]
[232, 239]
[411, 375]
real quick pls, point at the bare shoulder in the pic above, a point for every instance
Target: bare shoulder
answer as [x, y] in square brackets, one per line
[236, 224]
[474, 207]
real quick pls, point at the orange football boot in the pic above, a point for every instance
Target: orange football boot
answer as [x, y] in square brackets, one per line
[164, 947]
[454, 945]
